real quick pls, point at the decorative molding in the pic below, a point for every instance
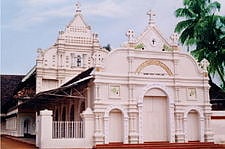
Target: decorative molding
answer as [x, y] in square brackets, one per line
[154, 62]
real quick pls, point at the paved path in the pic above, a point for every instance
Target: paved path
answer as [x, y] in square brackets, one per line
[7, 143]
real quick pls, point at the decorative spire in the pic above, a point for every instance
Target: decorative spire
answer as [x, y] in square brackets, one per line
[174, 39]
[78, 10]
[151, 15]
[130, 35]
[204, 64]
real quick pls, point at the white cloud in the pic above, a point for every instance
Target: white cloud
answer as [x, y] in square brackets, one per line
[30, 15]
[107, 8]
[35, 3]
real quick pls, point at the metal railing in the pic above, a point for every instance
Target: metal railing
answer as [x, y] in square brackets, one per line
[68, 129]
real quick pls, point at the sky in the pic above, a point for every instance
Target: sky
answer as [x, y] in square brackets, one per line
[27, 25]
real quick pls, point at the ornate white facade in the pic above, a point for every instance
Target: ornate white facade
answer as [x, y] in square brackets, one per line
[147, 90]
[76, 49]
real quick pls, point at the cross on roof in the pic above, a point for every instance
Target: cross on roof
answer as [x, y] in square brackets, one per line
[151, 15]
[78, 10]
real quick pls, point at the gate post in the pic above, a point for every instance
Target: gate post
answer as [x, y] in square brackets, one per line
[88, 118]
[45, 129]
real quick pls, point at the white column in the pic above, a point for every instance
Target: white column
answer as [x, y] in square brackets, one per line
[106, 128]
[185, 130]
[37, 130]
[202, 127]
[172, 123]
[88, 118]
[125, 141]
[140, 123]
[45, 130]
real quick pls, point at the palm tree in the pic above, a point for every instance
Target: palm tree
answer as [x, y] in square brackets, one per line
[205, 31]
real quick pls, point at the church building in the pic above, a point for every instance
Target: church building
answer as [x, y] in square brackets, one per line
[79, 94]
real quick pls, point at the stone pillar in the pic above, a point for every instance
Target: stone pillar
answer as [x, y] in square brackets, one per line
[172, 123]
[133, 135]
[37, 130]
[99, 137]
[88, 97]
[88, 118]
[140, 123]
[185, 129]
[125, 141]
[45, 129]
[202, 127]
[179, 128]
[106, 126]
[208, 134]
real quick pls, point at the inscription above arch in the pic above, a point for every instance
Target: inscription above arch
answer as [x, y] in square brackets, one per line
[154, 62]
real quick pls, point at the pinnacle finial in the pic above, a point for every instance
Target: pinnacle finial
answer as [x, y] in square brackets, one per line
[174, 39]
[78, 10]
[130, 35]
[151, 15]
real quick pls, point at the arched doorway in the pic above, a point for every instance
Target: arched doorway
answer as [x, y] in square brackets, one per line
[26, 128]
[155, 116]
[193, 131]
[115, 126]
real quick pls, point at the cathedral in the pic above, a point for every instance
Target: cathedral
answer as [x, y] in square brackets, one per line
[80, 94]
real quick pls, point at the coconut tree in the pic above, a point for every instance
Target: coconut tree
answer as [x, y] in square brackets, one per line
[211, 45]
[205, 31]
[194, 13]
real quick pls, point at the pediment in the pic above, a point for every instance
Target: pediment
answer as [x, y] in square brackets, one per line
[152, 39]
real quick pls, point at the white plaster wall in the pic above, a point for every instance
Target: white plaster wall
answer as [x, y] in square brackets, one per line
[187, 66]
[218, 127]
[116, 62]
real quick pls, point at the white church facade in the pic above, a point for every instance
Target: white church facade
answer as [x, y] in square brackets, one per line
[147, 90]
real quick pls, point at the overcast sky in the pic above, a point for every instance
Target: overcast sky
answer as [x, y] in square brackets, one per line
[30, 24]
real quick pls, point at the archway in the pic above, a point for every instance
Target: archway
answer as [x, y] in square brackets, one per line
[26, 128]
[193, 129]
[155, 116]
[115, 126]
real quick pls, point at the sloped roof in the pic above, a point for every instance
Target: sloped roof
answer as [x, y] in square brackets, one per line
[9, 84]
[59, 94]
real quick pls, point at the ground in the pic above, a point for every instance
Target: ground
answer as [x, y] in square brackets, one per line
[7, 143]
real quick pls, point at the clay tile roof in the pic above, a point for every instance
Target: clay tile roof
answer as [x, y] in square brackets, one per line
[8, 85]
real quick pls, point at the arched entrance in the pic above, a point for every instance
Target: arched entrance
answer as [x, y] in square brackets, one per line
[26, 128]
[115, 126]
[193, 131]
[155, 116]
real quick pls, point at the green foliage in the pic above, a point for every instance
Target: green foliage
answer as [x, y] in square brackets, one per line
[139, 46]
[204, 30]
[167, 48]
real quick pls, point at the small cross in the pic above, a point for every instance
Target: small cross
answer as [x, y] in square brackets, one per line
[151, 15]
[78, 7]
[130, 35]
[153, 41]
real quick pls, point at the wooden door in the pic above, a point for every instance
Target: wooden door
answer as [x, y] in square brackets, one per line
[155, 119]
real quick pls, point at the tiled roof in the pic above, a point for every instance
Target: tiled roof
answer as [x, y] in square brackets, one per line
[8, 85]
